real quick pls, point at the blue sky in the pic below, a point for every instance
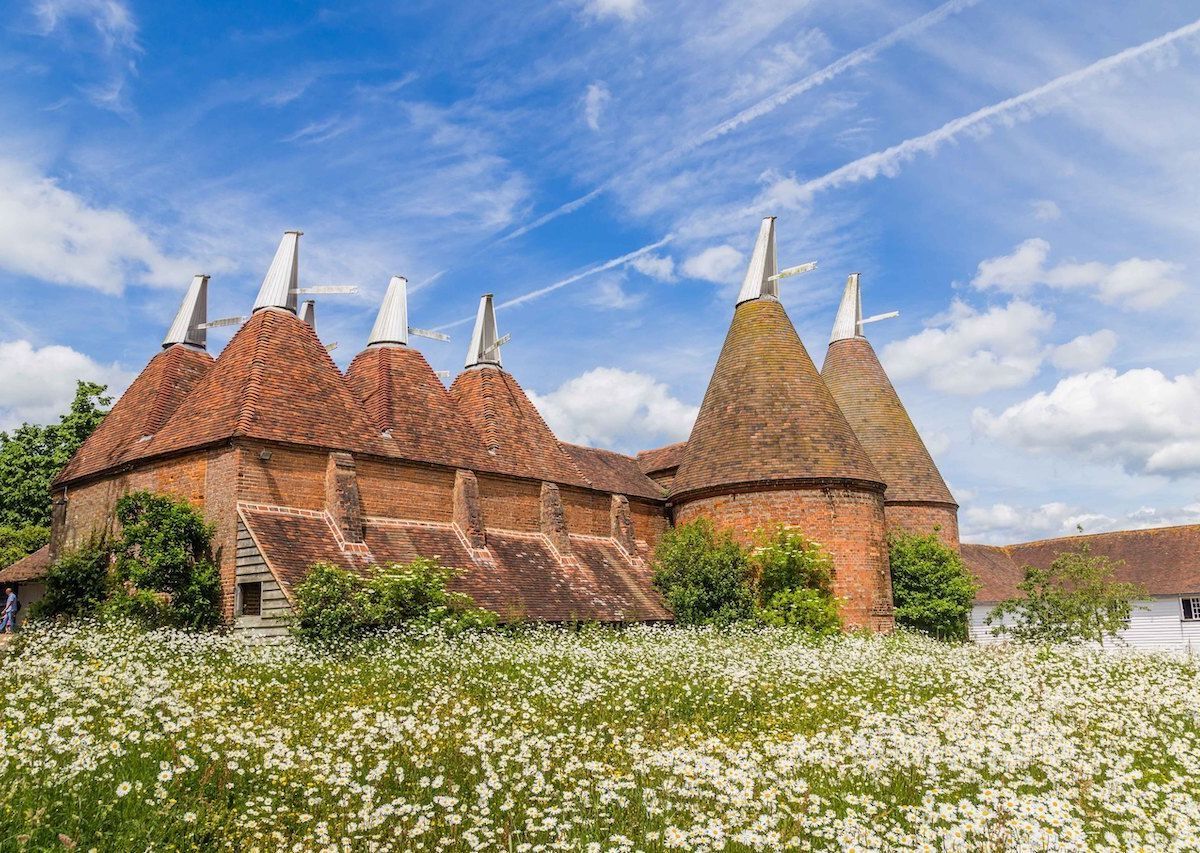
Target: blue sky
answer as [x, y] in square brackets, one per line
[1019, 179]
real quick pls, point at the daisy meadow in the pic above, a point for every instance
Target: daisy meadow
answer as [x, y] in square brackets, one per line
[552, 739]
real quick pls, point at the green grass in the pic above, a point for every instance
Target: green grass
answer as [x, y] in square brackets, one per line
[553, 739]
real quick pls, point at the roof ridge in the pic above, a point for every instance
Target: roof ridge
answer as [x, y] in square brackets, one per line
[1097, 535]
[248, 407]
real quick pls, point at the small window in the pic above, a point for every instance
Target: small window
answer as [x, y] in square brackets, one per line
[1191, 608]
[251, 599]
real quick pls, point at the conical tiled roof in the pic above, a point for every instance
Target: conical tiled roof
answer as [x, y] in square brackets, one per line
[516, 439]
[403, 396]
[766, 415]
[865, 395]
[274, 381]
[141, 412]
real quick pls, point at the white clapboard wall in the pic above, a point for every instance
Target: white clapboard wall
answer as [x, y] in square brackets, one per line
[1157, 623]
[252, 568]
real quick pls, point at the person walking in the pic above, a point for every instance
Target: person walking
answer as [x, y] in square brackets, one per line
[8, 619]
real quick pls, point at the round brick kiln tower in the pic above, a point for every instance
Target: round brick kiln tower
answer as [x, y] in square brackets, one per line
[917, 498]
[770, 446]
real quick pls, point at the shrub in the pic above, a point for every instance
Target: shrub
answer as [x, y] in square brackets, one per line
[931, 587]
[704, 575]
[76, 583]
[334, 604]
[811, 609]
[792, 581]
[1074, 599]
[164, 570]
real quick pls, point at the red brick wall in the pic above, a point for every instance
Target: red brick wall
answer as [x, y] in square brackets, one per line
[925, 518]
[649, 521]
[397, 490]
[289, 478]
[90, 506]
[220, 509]
[848, 523]
[508, 503]
[587, 512]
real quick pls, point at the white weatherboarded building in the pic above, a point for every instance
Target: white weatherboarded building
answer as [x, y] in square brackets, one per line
[1164, 560]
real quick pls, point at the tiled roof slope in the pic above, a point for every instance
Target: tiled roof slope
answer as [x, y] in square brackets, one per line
[513, 433]
[864, 393]
[274, 381]
[141, 411]
[766, 414]
[661, 458]
[522, 579]
[31, 567]
[1165, 560]
[401, 394]
[612, 472]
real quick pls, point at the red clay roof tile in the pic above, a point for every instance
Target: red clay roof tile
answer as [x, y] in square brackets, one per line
[515, 438]
[142, 410]
[401, 394]
[523, 579]
[870, 403]
[1165, 560]
[613, 472]
[274, 381]
[661, 458]
[766, 414]
[31, 567]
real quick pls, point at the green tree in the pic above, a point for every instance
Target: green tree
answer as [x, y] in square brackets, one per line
[792, 581]
[31, 456]
[1074, 599]
[931, 587]
[704, 575]
[16, 542]
[164, 566]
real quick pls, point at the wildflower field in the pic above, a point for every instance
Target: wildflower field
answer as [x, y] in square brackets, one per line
[646, 739]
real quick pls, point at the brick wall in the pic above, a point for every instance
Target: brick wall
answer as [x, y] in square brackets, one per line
[848, 523]
[925, 518]
[587, 512]
[90, 506]
[508, 503]
[220, 509]
[289, 478]
[649, 521]
[397, 490]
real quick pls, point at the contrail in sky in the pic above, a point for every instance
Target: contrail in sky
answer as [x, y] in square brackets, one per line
[542, 291]
[767, 105]
[888, 161]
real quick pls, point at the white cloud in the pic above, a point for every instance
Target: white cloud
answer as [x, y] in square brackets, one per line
[111, 19]
[610, 407]
[626, 10]
[113, 24]
[609, 292]
[1004, 524]
[720, 264]
[1135, 282]
[53, 234]
[1045, 210]
[594, 102]
[1142, 420]
[970, 353]
[1086, 352]
[659, 267]
[40, 383]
